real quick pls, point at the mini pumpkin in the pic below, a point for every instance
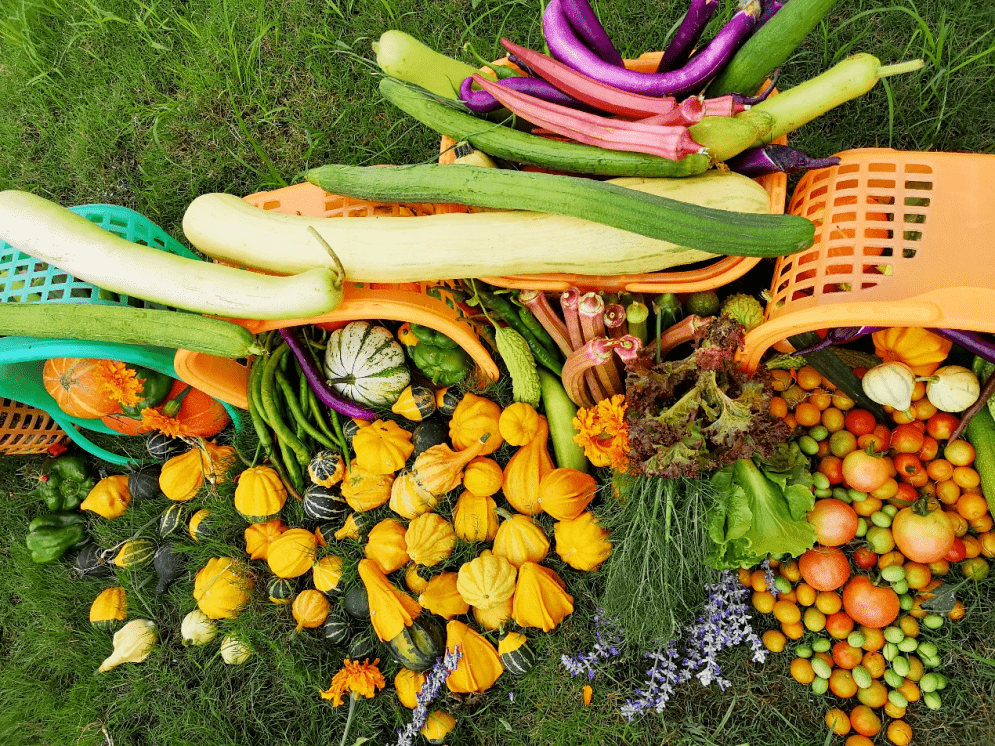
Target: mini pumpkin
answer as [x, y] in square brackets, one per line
[441, 596]
[326, 468]
[582, 543]
[565, 493]
[222, 588]
[952, 388]
[353, 527]
[475, 517]
[182, 476]
[483, 476]
[437, 726]
[474, 418]
[415, 403]
[495, 617]
[327, 573]
[541, 599]
[408, 498]
[260, 494]
[383, 447]
[519, 540]
[281, 590]
[519, 423]
[259, 536]
[515, 653]
[440, 469]
[198, 529]
[890, 384]
[429, 539]
[109, 608]
[416, 577]
[364, 490]
[292, 553]
[486, 581]
[447, 399]
[391, 609]
[525, 470]
[385, 545]
[310, 609]
[479, 667]
[408, 684]
[109, 497]
[918, 348]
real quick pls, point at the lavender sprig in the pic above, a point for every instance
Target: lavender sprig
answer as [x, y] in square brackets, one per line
[609, 640]
[437, 676]
[769, 576]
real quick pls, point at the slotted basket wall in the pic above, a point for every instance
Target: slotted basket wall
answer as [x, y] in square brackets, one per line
[25, 430]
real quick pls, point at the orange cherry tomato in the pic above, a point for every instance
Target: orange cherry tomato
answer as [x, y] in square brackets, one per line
[941, 425]
[864, 472]
[860, 422]
[834, 521]
[906, 439]
[824, 568]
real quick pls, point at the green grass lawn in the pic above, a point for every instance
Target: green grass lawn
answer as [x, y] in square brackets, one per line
[148, 104]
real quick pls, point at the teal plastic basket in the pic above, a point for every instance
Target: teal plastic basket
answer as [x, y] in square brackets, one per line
[25, 279]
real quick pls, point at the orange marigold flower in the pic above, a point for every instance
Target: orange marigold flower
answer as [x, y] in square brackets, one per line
[153, 419]
[603, 433]
[362, 679]
[120, 382]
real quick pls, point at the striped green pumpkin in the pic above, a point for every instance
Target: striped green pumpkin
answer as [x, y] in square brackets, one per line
[324, 504]
[171, 519]
[336, 628]
[515, 653]
[366, 364]
[281, 590]
[418, 645]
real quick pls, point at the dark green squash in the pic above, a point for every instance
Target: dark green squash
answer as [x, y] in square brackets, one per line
[325, 504]
[169, 566]
[420, 644]
[357, 603]
[143, 483]
[90, 564]
[161, 447]
[281, 590]
[349, 430]
[171, 519]
[431, 432]
[336, 628]
[516, 654]
[363, 645]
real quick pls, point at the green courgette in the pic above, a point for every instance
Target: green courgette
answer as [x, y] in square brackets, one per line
[521, 147]
[144, 326]
[833, 369]
[687, 225]
[981, 434]
[560, 413]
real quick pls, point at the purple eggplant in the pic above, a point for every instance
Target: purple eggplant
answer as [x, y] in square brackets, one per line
[772, 159]
[770, 8]
[970, 341]
[566, 47]
[316, 380]
[482, 102]
[581, 17]
[839, 335]
[688, 33]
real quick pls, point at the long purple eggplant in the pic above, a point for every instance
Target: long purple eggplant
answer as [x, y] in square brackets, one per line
[970, 341]
[316, 380]
[772, 159]
[839, 335]
[583, 20]
[483, 102]
[565, 46]
[687, 35]
[770, 9]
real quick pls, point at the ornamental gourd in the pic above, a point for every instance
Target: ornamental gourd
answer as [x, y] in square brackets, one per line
[281, 591]
[429, 539]
[143, 483]
[327, 573]
[519, 540]
[109, 497]
[541, 599]
[415, 403]
[479, 667]
[182, 476]
[260, 494]
[515, 653]
[416, 577]
[525, 470]
[952, 388]
[134, 553]
[920, 349]
[475, 517]
[483, 476]
[326, 468]
[519, 423]
[565, 493]
[447, 399]
[441, 597]
[109, 608]
[383, 447]
[890, 384]
[198, 527]
[222, 588]
[437, 726]
[259, 536]
[364, 490]
[353, 528]
[292, 553]
[486, 581]
[582, 543]
[365, 363]
[408, 684]
[132, 644]
[386, 546]
[495, 617]
[474, 418]
[76, 385]
[324, 503]
[408, 498]
[233, 651]
[440, 469]
[310, 609]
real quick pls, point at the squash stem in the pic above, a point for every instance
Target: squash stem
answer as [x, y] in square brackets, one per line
[336, 264]
[901, 67]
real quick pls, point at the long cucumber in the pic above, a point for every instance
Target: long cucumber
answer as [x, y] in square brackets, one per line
[402, 56]
[689, 225]
[981, 434]
[769, 47]
[560, 413]
[521, 147]
[144, 326]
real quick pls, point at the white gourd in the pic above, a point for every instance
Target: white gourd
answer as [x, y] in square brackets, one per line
[197, 628]
[890, 384]
[952, 388]
[366, 364]
[132, 644]
[234, 652]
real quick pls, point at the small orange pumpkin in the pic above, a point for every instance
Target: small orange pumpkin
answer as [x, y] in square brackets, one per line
[259, 536]
[473, 418]
[525, 470]
[310, 609]
[382, 447]
[386, 547]
[75, 384]
[483, 476]
[565, 493]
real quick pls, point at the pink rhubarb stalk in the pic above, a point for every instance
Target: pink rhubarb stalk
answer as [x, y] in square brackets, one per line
[724, 106]
[628, 348]
[592, 326]
[596, 352]
[615, 320]
[537, 302]
[689, 111]
[681, 332]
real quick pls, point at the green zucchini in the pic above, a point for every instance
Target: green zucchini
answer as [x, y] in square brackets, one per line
[144, 326]
[981, 434]
[402, 56]
[560, 413]
[833, 369]
[521, 147]
[769, 47]
[687, 225]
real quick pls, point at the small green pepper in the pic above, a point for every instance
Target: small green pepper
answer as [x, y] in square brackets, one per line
[65, 482]
[433, 338]
[155, 387]
[52, 535]
[444, 366]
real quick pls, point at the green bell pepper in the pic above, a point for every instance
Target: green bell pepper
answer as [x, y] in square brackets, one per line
[437, 356]
[53, 534]
[429, 336]
[65, 482]
[154, 389]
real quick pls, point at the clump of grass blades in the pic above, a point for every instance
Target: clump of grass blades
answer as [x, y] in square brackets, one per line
[654, 582]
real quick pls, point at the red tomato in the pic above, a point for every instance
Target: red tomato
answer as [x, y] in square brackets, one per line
[930, 449]
[958, 551]
[832, 468]
[864, 557]
[868, 604]
[941, 425]
[824, 568]
[834, 521]
[905, 496]
[922, 538]
[859, 422]
[908, 466]
[864, 472]
[906, 439]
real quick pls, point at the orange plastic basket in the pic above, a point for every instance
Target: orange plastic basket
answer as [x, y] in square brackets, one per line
[25, 430]
[902, 239]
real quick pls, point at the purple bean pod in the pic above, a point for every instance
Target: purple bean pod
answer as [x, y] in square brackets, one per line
[581, 17]
[566, 47]
[482, 102]
[316, 380]
[772, 159]
[839, 335]
[762, 96]
[970, 341]
[770, 9]
[687, 35]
